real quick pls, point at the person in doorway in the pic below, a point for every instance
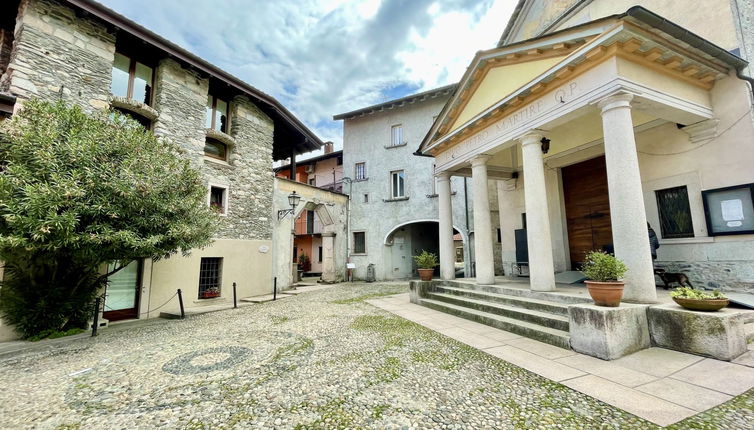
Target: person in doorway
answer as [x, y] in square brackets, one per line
[654, 243]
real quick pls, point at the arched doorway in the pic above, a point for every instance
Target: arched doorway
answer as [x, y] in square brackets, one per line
[409, 239]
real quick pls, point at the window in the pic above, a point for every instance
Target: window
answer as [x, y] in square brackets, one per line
[131, 79]
[217, 114]
[499, 236]
[359, 242]
[361, 171]
[397, 184]
[396, 133]
[218, 199]
[313, 182]
[210, 277]
[216, 149]
[675, 212]
[319, 254]
[366, 198]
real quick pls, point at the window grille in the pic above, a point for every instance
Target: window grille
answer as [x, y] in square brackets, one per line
[361, 171]
[359, 242]
[210, 277]
[675, 212]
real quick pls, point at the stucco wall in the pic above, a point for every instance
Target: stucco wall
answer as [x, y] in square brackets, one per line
[311, 197]
[365, 140]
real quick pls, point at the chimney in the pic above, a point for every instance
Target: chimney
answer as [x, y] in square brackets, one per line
[328, 147]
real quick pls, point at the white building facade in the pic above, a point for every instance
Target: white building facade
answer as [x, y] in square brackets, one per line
[605, 119]
[394, 200]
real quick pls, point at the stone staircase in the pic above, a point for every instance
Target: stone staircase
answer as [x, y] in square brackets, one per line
[538, 315]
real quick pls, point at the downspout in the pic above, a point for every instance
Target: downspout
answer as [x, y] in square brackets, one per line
[468, 230]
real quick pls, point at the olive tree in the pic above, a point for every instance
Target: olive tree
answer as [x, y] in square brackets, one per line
[79, 191]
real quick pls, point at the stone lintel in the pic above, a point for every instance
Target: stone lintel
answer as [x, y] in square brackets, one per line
[718, 334]
[608, 333]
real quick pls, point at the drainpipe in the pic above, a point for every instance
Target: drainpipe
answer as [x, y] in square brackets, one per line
[468, 230]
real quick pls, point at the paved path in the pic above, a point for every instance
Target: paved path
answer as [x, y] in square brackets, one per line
[324, 359]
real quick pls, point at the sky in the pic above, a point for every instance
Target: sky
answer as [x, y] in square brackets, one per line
[320, 58]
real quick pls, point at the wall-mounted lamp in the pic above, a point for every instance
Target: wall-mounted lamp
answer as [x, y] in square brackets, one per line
[293, 200]
[545, 145]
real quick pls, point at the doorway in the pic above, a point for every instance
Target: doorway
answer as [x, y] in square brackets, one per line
[587, 207]
[122, 300]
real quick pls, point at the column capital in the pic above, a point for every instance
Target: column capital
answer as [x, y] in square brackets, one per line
[531, 137]
[480, 160]
[443, 176]
[619, 100]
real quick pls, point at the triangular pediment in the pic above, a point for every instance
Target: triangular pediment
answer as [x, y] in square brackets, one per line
[500, 82]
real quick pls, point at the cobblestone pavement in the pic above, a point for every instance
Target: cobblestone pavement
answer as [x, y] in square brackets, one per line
[324, 359]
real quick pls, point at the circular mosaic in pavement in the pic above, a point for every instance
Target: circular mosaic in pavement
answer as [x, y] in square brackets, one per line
[207, 360]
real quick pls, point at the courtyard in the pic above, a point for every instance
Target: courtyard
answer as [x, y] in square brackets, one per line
[321, 359]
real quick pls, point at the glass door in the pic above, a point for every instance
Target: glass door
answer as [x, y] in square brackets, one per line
[122, 300]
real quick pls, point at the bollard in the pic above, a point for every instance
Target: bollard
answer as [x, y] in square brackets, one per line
[180, 303]
[274, 288]
[235, 302]
[95, 322]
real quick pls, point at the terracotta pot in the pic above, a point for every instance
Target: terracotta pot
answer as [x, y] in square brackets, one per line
[425, 274]
[605, 293]
[705, 305]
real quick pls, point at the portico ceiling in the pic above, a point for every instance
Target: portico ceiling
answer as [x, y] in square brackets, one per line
[671, 76]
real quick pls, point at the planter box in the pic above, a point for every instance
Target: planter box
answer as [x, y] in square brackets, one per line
[718, 334]
[608, 332]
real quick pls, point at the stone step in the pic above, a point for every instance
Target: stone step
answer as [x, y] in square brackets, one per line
[517, 301]
[545, 319]
[544, 334]
[521, 292]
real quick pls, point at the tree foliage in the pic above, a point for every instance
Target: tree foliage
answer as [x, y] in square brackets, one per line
[78, 191]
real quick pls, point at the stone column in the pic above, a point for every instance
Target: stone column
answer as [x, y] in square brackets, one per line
[627, 214]
[328, 258]
[485, 259]
[541, 267]
[447, 248]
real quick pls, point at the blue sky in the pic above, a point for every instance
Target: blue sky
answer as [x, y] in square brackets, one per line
[324, 57]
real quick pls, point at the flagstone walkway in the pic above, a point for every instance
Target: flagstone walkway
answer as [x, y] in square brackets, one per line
[323, 359]
[659, 385]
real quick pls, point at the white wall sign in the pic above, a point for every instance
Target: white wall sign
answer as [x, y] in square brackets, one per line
[264, 249]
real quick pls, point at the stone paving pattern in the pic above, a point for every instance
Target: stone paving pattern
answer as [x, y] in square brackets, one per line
[322, 359]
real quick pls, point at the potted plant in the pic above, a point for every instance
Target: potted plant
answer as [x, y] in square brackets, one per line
[604, 273]
[304, 263]
[425, 262]
[699, 300]
[210, 293]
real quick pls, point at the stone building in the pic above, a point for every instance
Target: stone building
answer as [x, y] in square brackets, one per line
[394, 201]
[84, 53]
[607, 117]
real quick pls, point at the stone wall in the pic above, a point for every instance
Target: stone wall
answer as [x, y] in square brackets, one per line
[58, 54]
[181, 98]
[735, 276]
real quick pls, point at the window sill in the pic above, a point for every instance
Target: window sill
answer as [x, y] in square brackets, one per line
[396, 199]
[220, 163]
[687, 240]
[220, 136]
[358, 255]
[435, 195]
[139, 108]
[361, 180]
[396, 146]
[220, 299]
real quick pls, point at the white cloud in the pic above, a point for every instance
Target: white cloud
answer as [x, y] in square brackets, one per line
[324, 57]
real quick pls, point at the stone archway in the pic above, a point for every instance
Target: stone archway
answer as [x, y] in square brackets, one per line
[412, 237]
